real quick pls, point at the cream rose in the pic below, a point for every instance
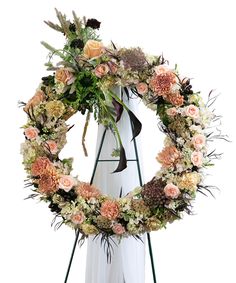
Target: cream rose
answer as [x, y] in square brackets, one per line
[93, 48]
[198, 141]
[101, 70]
[161, 69]
[192, 111]
[66, 182]
[171, 111]
[142, 88]
[196, 158]
[171, 191]
[31, 133]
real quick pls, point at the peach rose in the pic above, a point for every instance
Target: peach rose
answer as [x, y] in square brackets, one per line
[35, 100]
[196, 158]
[192, 111]
[78, 218]
[66, 182]
[40, 166]
[161, 69]
[142, 88]
[65, 76]
[93, 48]
[198, 141]
[171, 111]
[101, 70]
[171, 191]
[51, 146]
[118, 229]
[110, 209]
[31, 133]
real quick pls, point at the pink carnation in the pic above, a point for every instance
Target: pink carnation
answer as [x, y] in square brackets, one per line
[162, 84]
[48, 183]
[118, 229]
[196, 158]
[142, 88]
[87, 191]
[31, 133]
[199, 141]
[40, 166]
[110, 209]
[51, 146]
[66, 182]
[78, 218]
[171, 191]
[192, 111]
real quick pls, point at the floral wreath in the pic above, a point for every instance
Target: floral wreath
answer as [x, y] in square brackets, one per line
[83, 81]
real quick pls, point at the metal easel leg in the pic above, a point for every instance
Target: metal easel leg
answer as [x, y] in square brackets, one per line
[77, 232]
[148, 234]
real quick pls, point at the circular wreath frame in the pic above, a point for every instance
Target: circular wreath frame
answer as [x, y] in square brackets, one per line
[82, 82]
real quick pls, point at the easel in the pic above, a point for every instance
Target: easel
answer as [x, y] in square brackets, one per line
[91, 181]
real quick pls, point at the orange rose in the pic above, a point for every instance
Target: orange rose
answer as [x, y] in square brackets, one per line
[35, 100]
[93, 48]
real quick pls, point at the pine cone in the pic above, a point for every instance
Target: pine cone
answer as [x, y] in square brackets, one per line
[153, 193]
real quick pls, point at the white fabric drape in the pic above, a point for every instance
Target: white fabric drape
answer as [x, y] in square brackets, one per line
[128, 259]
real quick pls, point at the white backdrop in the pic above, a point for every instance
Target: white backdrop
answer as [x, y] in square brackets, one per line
[199, 36]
